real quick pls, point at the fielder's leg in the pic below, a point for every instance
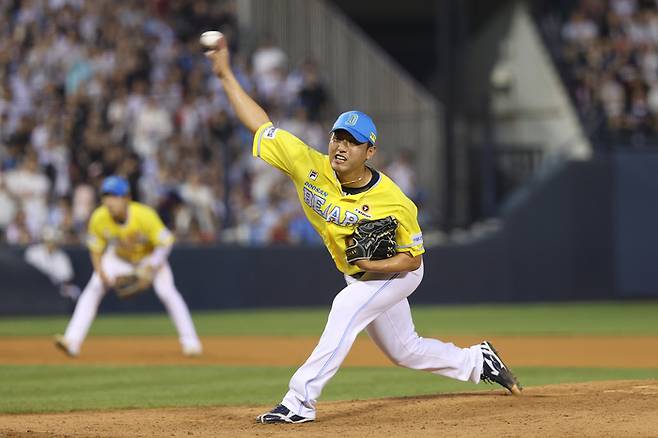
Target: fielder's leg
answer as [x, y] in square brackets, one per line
[165, 288]
[87, 305]
[353, 309]
[83, 315]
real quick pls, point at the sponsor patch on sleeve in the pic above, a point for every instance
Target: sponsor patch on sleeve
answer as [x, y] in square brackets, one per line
[270, 132]
[416, 240]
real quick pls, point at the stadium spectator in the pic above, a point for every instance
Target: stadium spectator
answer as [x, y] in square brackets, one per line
[300, 125]
[53, 262]
[300, 231]
[152, 127]
[312, 93]
[17, 232]
[579, 29]
[8, 205]
[84, 201]
[31, 187]
[200, 200]
[401, 172]
[268, 61]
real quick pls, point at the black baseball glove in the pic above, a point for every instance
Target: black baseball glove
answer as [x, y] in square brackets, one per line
[372, 240]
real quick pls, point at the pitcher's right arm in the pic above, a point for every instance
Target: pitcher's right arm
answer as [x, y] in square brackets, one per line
[252, 115]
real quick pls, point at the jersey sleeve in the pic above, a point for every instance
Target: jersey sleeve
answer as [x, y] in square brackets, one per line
[158, 234]
[409, 237]
[280, 148]
[95, 240]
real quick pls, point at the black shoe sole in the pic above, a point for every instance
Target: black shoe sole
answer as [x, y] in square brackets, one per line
[281, 420]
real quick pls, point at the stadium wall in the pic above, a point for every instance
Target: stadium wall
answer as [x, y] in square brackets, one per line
[636, 219]
[586, 232]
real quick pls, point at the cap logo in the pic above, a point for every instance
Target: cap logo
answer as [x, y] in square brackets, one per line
[373, 137]
[352, 119]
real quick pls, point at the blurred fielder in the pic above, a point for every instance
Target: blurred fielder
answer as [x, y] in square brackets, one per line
[129, 247]
[371, 230]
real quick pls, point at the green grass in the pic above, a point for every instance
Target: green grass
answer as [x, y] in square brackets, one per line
[604, 318]
[65, 388]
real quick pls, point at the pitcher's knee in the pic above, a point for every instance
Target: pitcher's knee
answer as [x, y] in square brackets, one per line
[404, 359]
[405, 356]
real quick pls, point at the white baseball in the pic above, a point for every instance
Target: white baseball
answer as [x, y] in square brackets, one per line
[210, 39]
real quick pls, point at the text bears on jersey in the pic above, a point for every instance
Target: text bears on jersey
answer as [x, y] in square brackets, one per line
[316, 203]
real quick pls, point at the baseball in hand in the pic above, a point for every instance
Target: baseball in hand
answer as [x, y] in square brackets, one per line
[210, 39]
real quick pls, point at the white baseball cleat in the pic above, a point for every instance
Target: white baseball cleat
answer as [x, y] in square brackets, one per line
[192, 350]
[62, 344]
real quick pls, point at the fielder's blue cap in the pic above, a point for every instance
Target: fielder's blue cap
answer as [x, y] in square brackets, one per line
[359, 124]
[115, 185]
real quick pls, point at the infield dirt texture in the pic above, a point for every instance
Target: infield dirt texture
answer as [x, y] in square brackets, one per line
[599, 409]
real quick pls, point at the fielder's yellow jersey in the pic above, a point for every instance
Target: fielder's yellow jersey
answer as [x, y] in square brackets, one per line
[134, 239]
[332, 212]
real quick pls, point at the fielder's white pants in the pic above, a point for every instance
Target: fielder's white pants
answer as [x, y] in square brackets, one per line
[163, 283]
[377, 303]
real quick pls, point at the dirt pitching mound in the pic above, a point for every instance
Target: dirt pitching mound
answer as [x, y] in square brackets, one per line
[596, 409]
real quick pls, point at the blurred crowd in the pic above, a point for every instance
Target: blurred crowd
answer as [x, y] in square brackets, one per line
[610, 48]
[92, 88]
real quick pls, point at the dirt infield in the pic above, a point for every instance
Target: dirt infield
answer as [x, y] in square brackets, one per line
[589, 351]
[598, 409]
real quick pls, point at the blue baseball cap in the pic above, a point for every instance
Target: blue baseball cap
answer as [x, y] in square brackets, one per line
[359, 124]
[115, 185]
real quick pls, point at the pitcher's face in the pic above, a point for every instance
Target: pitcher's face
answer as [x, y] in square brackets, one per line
[346, 154]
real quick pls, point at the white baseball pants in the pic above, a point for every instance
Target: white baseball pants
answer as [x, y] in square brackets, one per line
[377, 303]
[163, 283]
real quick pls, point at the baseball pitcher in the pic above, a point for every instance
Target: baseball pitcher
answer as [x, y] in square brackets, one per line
[371, 231]
[129, 247]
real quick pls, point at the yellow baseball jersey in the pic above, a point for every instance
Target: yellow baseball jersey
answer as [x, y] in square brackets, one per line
[132, 240]
[332, 212]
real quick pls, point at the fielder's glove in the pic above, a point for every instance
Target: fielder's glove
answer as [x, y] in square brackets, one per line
[129, 285]
[373, 240]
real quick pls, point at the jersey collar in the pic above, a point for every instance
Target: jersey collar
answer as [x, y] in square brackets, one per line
[372, 183]
[357, 190]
